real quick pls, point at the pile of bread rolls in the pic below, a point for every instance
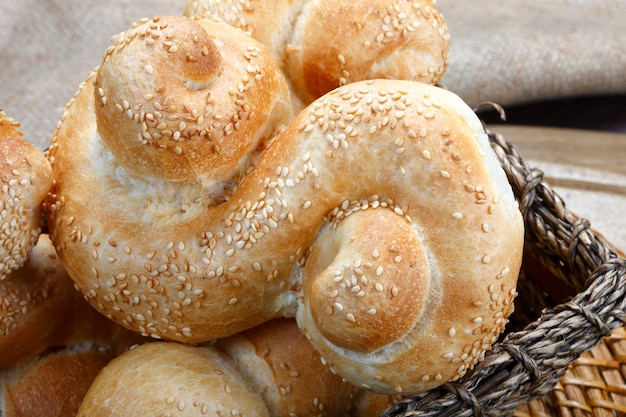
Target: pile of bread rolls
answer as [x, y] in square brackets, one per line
[289, 219]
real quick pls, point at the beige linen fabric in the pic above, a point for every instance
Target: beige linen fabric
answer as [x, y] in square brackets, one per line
[515, 51]
[48, 47]
[507, 51]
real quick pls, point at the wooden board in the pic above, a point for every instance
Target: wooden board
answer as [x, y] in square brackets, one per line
[587, 169]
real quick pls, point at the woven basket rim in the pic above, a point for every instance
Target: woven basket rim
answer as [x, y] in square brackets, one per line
[527, 364]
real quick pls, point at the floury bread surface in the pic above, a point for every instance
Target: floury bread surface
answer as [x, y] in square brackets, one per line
[379, 216]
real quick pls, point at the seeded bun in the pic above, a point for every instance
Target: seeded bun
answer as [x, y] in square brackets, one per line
[379, 216]
[26, 179]
[325, 44]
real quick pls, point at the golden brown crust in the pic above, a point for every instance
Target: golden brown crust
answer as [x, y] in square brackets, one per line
[198, 98]
[324, 44]
[402, 313]
[371, 404]
[26, 178]
[52, 385]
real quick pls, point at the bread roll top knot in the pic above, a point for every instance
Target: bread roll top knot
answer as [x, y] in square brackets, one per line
[339, 42]
[345, 292]
[177, 101]
[26, 178]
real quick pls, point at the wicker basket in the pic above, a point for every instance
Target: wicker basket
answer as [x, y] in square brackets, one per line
[593, 386]
[564, 260]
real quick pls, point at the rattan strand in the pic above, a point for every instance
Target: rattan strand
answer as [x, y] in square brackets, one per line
[528, 364]
[593, 386]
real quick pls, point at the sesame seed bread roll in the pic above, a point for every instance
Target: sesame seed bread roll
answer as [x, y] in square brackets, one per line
[379, 217]
[324, 44]
[278, 362]
[410, 281]
[170, 379]
[26, 179]
[144, 160]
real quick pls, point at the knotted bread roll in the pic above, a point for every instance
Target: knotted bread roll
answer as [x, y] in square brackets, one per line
[379, 217]
[324, 44]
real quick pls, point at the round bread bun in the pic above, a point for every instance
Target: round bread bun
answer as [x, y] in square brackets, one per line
[167, 378]
[379, 217]
[269, 370]
[324, 44]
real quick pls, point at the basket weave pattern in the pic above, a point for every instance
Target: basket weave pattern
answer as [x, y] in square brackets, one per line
[528, 363]
[593, 386]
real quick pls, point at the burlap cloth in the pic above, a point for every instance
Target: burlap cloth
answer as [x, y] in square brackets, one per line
[506, 51]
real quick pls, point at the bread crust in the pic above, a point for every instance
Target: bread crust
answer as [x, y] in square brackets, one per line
[280, 364]
[167, 378]
[51, 385]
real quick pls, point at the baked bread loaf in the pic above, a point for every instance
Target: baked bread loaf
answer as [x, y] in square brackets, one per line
[379, 217]
[271, 370]
[26, 179]
[325, 44]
